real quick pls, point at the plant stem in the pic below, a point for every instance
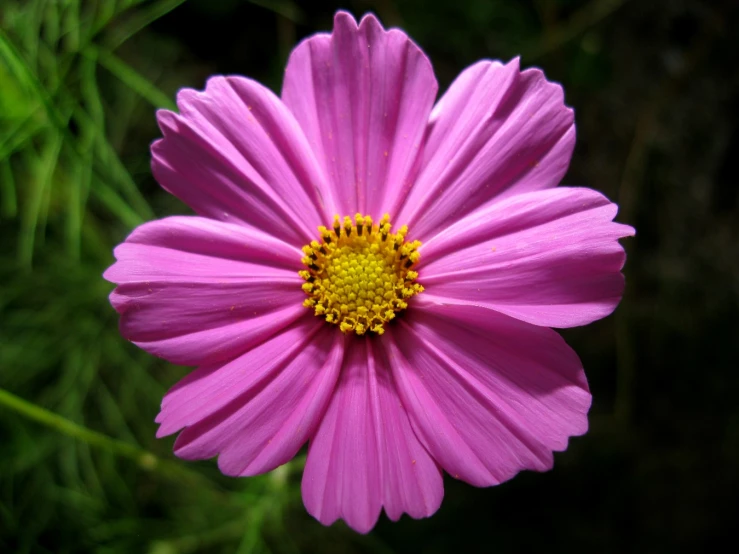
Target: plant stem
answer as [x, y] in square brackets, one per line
[145, 459]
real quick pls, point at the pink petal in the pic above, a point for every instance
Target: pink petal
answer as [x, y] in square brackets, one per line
[550, 258]
[363, 96]
[258, 410]
[497, 131]
[487, 395]
[365, 454]
[187, 293]
[235, 153]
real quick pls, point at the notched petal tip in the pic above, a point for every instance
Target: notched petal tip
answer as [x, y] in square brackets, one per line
[167, 121]
[370, 20]
[538, 79]
[595, 199]
[362, 95]
[188, 98]
[343, 17]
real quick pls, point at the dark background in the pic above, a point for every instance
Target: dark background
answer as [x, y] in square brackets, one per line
[655, 89]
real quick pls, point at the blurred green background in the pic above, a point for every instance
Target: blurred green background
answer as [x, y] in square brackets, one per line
[655, 89]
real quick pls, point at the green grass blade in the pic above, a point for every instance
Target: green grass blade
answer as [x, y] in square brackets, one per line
[286, 8]
[8, 200]
[108, 163]
[16, 137]
[142, 19]
[71, 26]
[117, 206]
[39, 189]
[144, 458]
[132, 79]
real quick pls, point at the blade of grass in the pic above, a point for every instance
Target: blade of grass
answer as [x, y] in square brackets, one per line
[109, 161]
[286, 8]
[17, 136]
[110, 10]
[132, 79]
[142, 19]
[117, 206]
[51, 27]
[93, 480]
[52, 22]
[105, 11]
[30, 30]
[145, 459]
[15, 63]
[8, 201]
[71, 26]
[92, 122]
[79, 188]
[109, 164]
[82, 172]
[33, 214]
[111, 412]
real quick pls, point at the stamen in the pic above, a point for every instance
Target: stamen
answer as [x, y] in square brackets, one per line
[359, 280]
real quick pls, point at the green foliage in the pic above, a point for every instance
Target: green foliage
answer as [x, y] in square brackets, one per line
[80, 468]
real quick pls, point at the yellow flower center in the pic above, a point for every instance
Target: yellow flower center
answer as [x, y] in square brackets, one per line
[360, 274]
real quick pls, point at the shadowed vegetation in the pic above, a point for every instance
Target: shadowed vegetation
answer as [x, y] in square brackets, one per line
[656, 97]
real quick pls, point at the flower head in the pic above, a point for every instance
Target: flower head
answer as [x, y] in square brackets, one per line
[372, 273]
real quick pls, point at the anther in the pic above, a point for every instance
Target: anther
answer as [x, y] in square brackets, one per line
[357, 280]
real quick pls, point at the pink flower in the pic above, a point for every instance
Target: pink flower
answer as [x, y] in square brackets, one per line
[393, 358]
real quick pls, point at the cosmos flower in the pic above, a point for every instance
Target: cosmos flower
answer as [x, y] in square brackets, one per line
[372, 273]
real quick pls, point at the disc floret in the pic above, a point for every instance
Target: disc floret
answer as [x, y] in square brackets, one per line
[360, 274]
